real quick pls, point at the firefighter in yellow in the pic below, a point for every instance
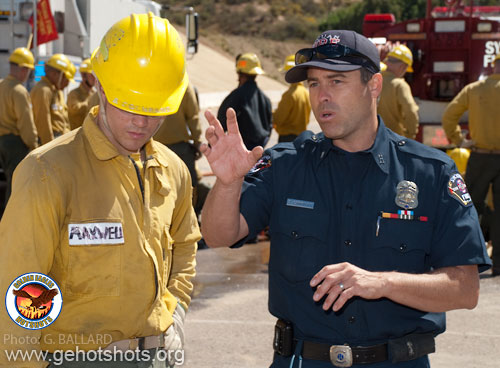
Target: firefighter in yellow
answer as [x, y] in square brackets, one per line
[17, 129]
[106, 212]
[397, 106]
[482, 100]
[79, 98]
[292, 114]
[49, 108]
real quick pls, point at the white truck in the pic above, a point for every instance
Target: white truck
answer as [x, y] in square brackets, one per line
[80, 25]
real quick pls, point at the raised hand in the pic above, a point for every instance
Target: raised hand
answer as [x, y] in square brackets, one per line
[226, 153]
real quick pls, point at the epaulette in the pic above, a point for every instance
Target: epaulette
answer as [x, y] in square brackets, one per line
[421, 150]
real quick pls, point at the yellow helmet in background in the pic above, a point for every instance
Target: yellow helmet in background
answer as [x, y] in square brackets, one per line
[140, 64]
[249, 63]
[497, 57]
[85, 66]
[289, 63]
[22, 57]
[461, 157]
[63, 64]
[383, 66]
[403, 53]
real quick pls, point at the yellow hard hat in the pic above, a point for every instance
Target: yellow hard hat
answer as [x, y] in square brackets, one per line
[62, 63]
[383, 66]
[85, 66]
[461, 157]
[140, 64]
[403, 53]
[289, 63]
[249, 63]
[22, 57]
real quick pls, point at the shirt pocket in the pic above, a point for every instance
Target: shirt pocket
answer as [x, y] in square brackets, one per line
[401, 245]
[299, 244]
[94, 266]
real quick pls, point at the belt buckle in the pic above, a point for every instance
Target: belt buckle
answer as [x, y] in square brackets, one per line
[341, 355]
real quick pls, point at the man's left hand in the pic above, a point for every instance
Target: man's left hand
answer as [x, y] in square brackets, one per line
[340, 282]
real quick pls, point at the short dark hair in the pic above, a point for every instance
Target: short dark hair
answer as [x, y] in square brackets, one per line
[366, 75]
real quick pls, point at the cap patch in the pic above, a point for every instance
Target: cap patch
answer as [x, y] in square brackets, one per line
[325, 39]
[458, 190]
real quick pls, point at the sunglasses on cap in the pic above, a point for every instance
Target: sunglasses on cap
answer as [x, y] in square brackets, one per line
[335, 51]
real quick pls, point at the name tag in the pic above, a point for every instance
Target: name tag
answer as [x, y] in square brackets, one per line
[96, 233]
[300, 203]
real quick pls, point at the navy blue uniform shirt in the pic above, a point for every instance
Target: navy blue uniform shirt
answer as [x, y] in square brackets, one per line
[322, 205]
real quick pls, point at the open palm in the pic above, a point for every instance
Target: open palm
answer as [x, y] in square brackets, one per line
[226, 153]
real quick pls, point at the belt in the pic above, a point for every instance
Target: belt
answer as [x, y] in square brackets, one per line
[141, 343]
[344, 355]
[484, 150]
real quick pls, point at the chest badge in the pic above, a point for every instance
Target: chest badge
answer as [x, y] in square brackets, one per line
[407, 195]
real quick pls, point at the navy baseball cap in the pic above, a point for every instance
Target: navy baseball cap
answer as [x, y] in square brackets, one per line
[336, 50]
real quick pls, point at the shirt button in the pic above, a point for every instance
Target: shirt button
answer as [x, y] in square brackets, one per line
[402, 247]
[352, 319]
[348, 206]
[401, 143]
[347, 243]
[294, 234]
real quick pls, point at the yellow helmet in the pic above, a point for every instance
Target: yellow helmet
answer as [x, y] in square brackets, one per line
[461, 157]
[140, 64]
[497, 57]
[85, 66]
[383, 66]
[62, 63]
[403, 53]
[249, 63]
[22, 57]
[289, 63]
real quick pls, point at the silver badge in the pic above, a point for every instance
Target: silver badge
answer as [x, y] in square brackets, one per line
[407, 194]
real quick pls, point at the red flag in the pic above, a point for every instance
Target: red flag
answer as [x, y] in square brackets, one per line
[46, 26]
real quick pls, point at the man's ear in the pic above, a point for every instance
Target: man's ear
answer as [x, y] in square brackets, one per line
[375, 85]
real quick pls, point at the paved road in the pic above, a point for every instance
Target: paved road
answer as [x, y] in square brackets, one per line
[228, 324]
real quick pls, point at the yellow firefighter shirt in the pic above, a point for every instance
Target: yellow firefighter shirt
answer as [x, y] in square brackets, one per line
[79, 105]
[293, 111]
[184, 125]
[123, 287]
[16, 115]
[397, 107]
[49, 110]
[482, 100]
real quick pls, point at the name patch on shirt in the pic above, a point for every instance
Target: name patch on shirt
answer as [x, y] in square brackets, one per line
[96, 233]
[300, 203]
[458, 190]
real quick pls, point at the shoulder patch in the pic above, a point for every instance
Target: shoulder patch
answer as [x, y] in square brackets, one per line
[263, 163]
[458, 190]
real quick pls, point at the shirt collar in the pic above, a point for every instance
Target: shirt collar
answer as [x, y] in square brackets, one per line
[379, 150]
[105, 150]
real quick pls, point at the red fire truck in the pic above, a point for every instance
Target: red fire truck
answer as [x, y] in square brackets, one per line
[452, 46]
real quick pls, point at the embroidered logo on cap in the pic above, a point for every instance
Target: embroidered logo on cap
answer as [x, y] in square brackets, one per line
[458, 190]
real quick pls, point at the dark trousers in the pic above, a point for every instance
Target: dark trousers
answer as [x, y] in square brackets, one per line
[483, 169]
[281, 362]
[12, 151]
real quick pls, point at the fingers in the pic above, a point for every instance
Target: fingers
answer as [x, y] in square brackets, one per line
[214, 123]
[232, 123]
